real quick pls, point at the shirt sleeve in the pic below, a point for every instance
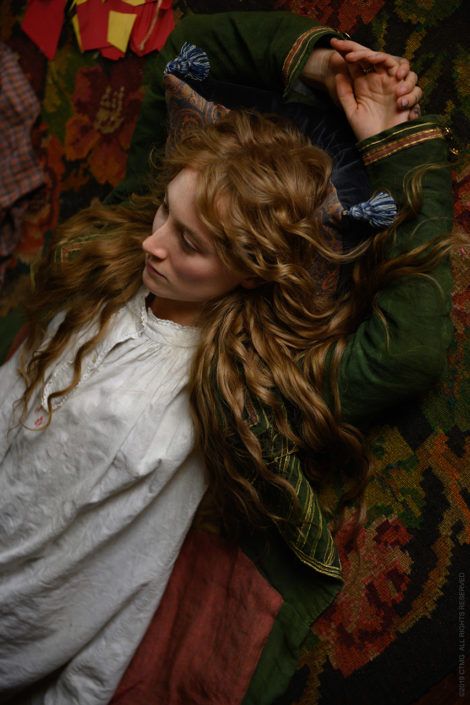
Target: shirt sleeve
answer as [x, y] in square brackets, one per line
[238, 52]
[384, 364]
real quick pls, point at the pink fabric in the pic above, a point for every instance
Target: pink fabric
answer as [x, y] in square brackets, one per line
[205, 640]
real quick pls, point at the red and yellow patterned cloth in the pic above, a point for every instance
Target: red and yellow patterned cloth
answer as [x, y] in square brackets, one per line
[108, 26]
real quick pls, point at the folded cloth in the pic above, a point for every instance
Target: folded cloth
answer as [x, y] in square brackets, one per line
[21, 173]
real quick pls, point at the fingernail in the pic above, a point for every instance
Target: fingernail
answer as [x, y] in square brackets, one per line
[404, 103]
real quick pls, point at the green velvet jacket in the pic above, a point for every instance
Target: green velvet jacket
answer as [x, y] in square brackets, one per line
[375, 372]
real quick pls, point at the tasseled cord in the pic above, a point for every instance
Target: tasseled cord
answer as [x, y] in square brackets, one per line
[191, 62]
[380, 210]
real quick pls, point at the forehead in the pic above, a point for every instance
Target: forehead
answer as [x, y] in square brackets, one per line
[181, 195]
[185, 182]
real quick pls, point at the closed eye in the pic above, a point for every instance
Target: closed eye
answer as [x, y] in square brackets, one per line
[186, 244]
[189, 242]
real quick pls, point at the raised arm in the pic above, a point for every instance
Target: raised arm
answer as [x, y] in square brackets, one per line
[381, 368]
[238, 52]
[400, 350]
[274, 58]
[325, 64]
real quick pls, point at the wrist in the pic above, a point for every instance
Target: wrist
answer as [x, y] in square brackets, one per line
[364, 130]
[317, 69]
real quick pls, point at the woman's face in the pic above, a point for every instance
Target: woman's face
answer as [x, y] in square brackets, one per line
[181, 264]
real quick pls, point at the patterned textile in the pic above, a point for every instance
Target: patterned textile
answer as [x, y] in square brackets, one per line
[187, 109]
[393, 635]
[21, 173]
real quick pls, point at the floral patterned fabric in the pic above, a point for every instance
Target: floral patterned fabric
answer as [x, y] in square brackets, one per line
[392, 636]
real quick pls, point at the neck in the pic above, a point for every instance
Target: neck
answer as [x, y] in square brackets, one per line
[183, 312]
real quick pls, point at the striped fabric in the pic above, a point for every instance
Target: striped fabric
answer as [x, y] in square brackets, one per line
[375, 149]
[300, 51]
[309, 538]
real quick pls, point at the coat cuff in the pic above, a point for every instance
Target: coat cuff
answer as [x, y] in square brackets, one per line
[396, 139]
[300, 51]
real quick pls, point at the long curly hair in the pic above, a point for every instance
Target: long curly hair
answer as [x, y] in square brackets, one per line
[277, 346]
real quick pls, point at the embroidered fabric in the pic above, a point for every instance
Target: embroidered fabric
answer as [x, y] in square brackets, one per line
[143, 323]
[109, 471]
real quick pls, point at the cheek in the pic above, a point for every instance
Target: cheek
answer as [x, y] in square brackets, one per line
[204, 278]
[195, 272]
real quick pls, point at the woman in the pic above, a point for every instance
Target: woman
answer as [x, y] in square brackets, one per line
[102, 465]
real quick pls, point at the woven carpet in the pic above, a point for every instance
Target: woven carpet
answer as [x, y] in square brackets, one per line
[398, 633]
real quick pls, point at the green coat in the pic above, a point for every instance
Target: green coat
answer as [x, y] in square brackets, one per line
[374, 375]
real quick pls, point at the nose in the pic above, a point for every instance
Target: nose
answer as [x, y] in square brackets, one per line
[156, 244]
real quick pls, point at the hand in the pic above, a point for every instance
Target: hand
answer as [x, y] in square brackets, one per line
[325, 64]
[407, 92]
[368, 98]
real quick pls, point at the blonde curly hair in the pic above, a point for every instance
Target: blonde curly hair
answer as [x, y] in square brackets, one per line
[277, 345]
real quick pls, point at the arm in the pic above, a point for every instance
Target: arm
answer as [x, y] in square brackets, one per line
[238, 52]
[374, 373]
[308, 537]
[324, 64]
[373, 376]
[383, 364]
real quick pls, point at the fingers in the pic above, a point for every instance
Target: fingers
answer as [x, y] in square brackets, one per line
[372, 57]
[403, 69]
[415, 112]
[345, 93]
[410, 99]
[361, 60]
[347, 45]
[356, 52]
[408, 84]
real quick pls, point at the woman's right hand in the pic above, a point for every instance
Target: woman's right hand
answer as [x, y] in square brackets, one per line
[368, 97]
[324, 65]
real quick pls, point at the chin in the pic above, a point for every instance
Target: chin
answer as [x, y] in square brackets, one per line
[150, 283]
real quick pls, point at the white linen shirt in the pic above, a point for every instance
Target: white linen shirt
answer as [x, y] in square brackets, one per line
[94, 509]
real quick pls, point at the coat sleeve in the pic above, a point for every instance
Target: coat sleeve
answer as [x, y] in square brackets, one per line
[304, 528]
[378, 370]
[382, 366]
[238, 52]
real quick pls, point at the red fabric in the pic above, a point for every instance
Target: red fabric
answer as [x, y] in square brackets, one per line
[42, 22]
[150, 33]
[111, 52]
[205, 639]
[93, 21]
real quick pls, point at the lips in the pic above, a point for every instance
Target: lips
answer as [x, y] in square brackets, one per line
[153, 272]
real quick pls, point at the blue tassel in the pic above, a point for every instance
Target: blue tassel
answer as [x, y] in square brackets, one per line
[191, 62]
[380, 210]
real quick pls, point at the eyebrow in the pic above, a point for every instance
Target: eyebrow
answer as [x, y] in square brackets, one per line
[200, 240]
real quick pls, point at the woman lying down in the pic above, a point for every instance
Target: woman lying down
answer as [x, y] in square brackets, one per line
[177, 349]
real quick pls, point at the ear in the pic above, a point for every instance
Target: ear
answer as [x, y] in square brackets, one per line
[251, 282]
